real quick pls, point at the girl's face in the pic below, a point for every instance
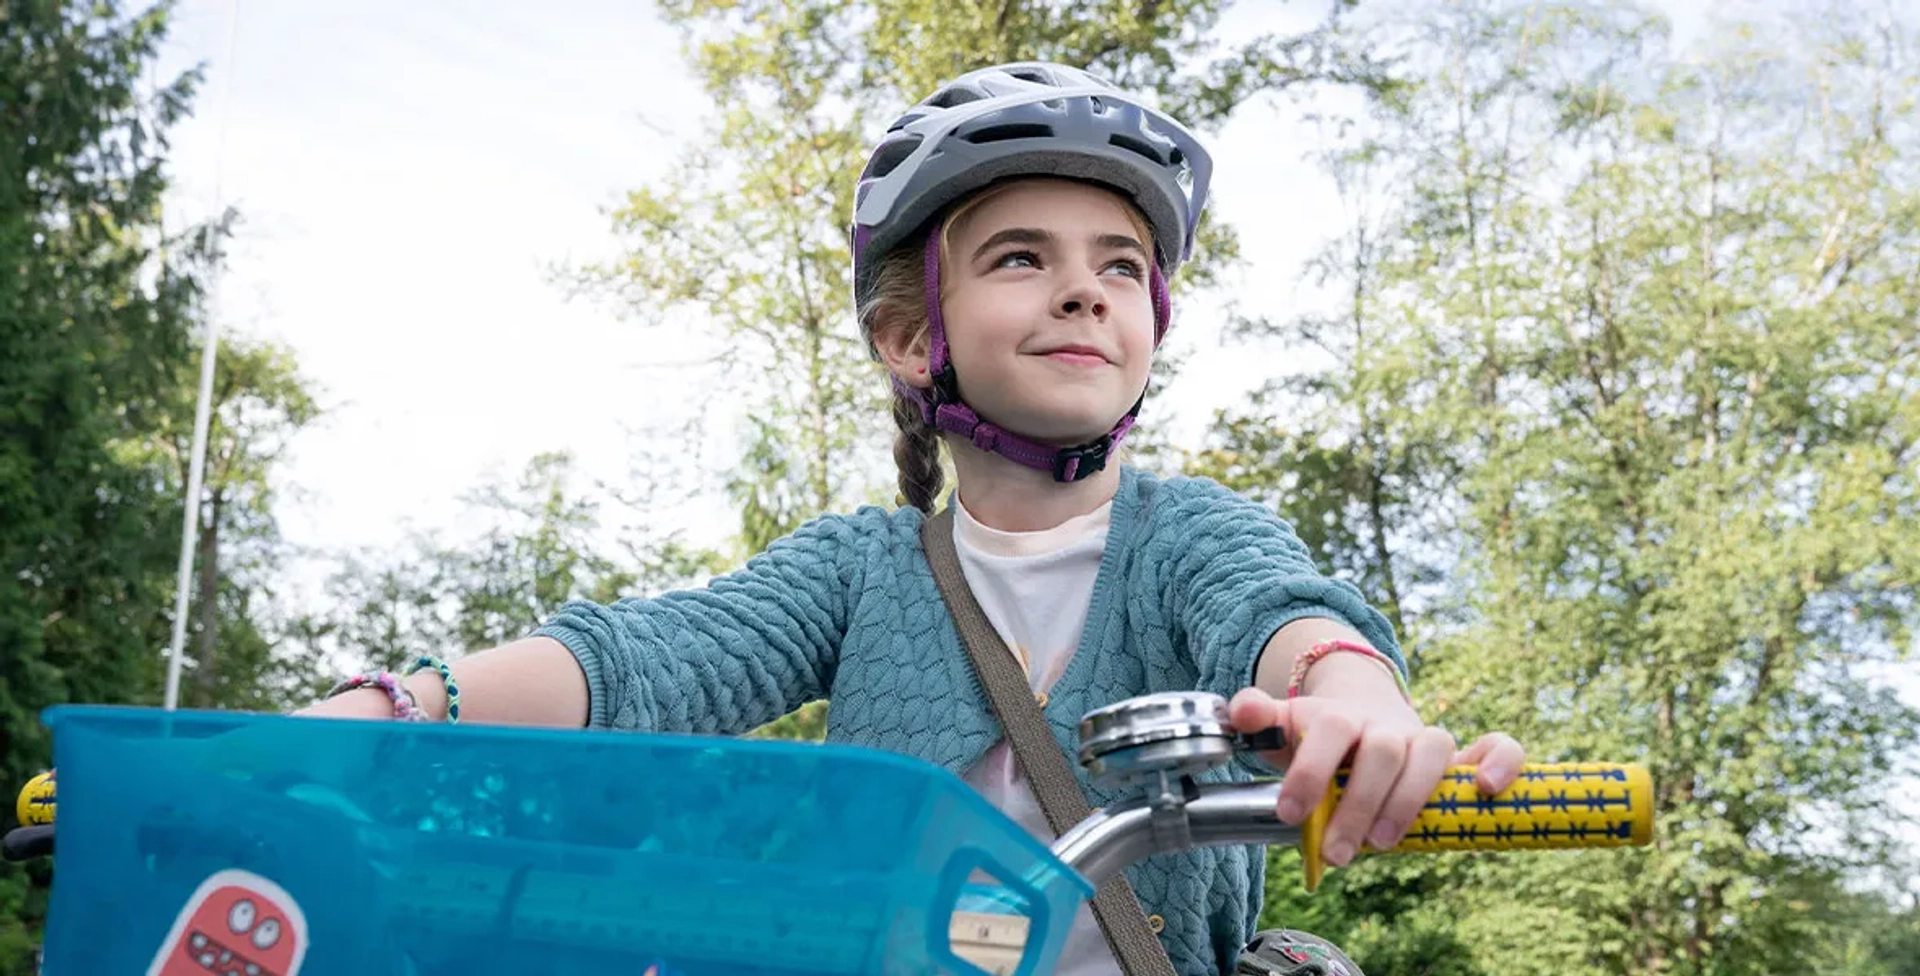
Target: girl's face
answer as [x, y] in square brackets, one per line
[1048, 317]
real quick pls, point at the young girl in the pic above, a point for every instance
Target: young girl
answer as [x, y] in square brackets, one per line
[1012, 241]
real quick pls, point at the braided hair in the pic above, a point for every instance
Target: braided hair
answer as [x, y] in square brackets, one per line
[901, 285]
[916, 452]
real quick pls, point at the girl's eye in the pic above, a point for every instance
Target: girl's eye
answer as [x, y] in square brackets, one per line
[1028, 259]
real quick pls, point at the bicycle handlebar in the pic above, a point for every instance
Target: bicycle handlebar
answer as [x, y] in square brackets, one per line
[27, 843]
[1549, 806]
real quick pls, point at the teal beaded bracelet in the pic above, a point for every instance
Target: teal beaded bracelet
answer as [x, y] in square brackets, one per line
[428, 662]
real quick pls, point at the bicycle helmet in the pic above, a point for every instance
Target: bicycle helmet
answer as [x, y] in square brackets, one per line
[1286, 952]
[1029, 118]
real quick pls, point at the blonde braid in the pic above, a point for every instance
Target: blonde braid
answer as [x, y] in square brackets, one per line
[916, 452]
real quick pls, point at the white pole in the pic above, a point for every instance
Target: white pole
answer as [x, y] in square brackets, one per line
[196, 467]
[190, 518]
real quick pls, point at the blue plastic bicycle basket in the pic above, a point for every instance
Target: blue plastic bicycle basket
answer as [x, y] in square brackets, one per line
[408, 849]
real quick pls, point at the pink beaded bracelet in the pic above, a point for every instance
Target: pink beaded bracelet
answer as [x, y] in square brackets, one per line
[405, 707]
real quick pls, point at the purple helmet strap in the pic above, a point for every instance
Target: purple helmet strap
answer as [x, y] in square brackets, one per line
[944, 410]
[1162, 303]
[936, 322]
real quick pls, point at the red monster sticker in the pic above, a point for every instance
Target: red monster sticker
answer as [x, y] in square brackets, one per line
[236, 924]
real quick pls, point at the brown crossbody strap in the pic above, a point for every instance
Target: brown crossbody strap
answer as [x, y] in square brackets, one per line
[1118, 911]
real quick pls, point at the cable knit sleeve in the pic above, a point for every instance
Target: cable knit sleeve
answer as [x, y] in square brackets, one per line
[733, 655]
[1234, 573]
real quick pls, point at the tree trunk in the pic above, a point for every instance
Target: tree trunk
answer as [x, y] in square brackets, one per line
[207, 607]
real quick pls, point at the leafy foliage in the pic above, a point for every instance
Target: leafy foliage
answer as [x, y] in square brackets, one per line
[1621, 422]
[86, 345]
[541, 543]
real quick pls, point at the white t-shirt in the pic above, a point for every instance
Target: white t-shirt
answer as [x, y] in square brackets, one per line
[1035, 588]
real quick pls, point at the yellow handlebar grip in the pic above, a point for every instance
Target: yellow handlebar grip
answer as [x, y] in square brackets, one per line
[1550, 805]
[34, 806]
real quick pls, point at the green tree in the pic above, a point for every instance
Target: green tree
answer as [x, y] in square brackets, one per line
[737, 232]
[543, 543]
[382, 610]
[1621, 419]
[260, 401]
[94, 321]
[1864, 933]
[1891, 941]
[545, 548]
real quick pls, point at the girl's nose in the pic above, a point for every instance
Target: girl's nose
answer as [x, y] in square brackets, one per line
[1082, 295]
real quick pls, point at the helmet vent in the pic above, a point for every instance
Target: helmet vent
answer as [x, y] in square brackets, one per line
[891, 154]
[1008, 131]
[949, 97]
[1137, 145]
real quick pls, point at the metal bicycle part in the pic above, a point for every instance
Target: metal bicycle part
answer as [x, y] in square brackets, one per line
[1212, 815]
[1177, 733]
[1161, 741]
[1166, 740]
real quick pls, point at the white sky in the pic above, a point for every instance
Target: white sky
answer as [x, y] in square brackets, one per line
[405, 173]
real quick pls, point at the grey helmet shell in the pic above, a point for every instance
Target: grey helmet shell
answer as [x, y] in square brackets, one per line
[1028, 118]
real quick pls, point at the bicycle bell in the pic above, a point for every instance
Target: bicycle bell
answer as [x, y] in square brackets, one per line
[1170, 733]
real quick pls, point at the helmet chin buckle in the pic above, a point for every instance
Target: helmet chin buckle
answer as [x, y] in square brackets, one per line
[1068, 464]
[1074, 463]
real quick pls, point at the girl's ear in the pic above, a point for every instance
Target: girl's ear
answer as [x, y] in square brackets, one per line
[903, 348]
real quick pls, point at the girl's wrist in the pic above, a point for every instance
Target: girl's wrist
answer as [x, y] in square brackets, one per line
[430, 691]
[1351, 676]
[363, 702]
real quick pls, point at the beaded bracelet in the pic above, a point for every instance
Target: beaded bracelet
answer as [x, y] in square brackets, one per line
[1297, 680]
[428, 662]
[405, 707]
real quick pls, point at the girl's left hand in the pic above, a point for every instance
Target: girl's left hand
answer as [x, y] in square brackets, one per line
[1396, 762]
